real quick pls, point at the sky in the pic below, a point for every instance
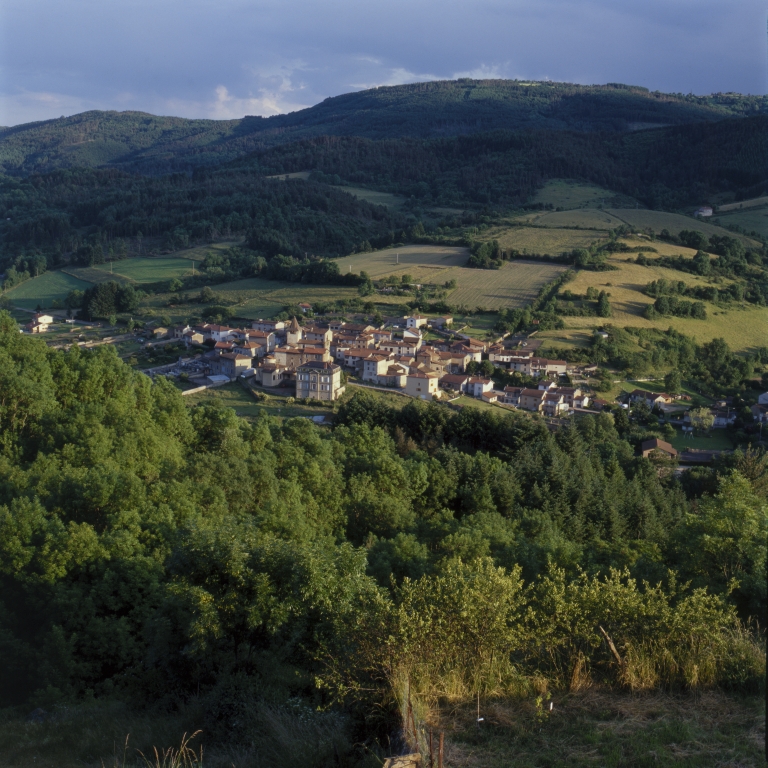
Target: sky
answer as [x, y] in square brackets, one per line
[229, 58]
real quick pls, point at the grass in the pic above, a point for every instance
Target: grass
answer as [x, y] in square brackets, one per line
[514, 285]
[199, 252]
[95, 275]
[148, 270]
[541, 239]
[743, 327]
[568, 194]
[749, 219]
[610, 730]
[591, 218]
[386, 199]
[752, 203]
[425, 263]
[717, 440]
[44, 289]
[244, 404]
[674, 222]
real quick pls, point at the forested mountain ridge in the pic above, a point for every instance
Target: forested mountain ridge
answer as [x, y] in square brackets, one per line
[144, 142]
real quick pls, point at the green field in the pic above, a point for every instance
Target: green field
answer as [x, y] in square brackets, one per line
[568, 194]
[199, 252]
[95, 275]
[717, 440]
[591, 218]
[148, 270]
[514, 285]
[745, 327]
[674, 222]
[750, 219]
[541, 239]
[377, 198]
[423, 262]
[44, 289]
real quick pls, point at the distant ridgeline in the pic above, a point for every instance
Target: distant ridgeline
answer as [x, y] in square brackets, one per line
[78, 183]
[151, 144]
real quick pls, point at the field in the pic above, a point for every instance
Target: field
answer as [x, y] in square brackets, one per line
[743, 327]
[303, 175]
[146, 270]
[423, 262]
[591, 218]
[94, 275]
[541, 239]
[377, 198]
[750, 219]
[44, 289]
[674, 222]
[568, 194]
[755, 201]
[199, 252]
[514, 285]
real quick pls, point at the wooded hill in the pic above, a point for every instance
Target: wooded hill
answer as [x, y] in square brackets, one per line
[151, 144]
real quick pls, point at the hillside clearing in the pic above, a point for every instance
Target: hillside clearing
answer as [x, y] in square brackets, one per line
[533, 240]
[602, 221]
[424, 263]
[751, 219]
[199, 252]
[43, 290]
[148, 270]
[569, 194]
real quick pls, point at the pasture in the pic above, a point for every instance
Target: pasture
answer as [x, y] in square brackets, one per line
[386, 199]
[43, 290]
[674, 222]
[147, 270]
[199, 252]
[542, 240]
[569, 194]
[425, 263]
[749, 219]
[94, 275]
[743, 327]
[584, 219]
[514, 285]
[303, 175]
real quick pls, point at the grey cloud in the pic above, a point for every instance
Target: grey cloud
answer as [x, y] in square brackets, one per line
[225, 58]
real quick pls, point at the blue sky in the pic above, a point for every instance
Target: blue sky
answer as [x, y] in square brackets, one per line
[229, 58]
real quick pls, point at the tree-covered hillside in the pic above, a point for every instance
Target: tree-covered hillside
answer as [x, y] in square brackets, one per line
[161, 144]
[154, 551]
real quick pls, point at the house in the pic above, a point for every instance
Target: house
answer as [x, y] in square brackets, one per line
[317, 334]
[656, 445]
[445, 321]
[270, 326]
[178, 331]
[490, 397]
[412, 333]
[704, 211]
[288, 357]
[651, 399]
[304, 307]
[36, 327]
[532, 399]
[159, 332]
[375, 366]
[230, 364]
[760, 412]
[763, 399]
[423, 385]
[511, 395]
[271, 375]
[454, 381]
[42, 319]
[193, 337]
[294, 334]
[217, 332]
[319, 381]
[395, 376]
[416, 321]
[477, 385]
[553, 404]
[541, 366]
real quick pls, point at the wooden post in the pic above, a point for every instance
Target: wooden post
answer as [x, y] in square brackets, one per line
[440, 750]
[431, 754]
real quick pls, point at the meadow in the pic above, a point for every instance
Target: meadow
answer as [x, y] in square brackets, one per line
[749, 219]
[552, 241]
[199, 252]
[422, 262]
[95, 275]
[743, 327]
[43, 290]
[147, 270]
[591, 218]
[569, 194]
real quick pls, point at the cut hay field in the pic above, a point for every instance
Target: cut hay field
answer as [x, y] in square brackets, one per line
[514, 285]
[377, 198]
[44, 289]
[674, 222]
[744, 327]
[148, 270]
[542, 240]
[424, 263]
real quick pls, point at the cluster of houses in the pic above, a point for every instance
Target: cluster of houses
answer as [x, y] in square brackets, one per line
[396, 355]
